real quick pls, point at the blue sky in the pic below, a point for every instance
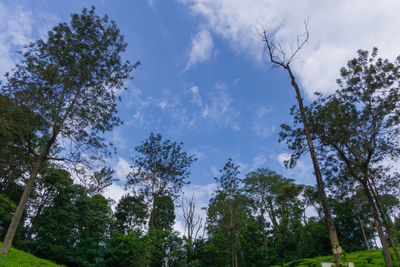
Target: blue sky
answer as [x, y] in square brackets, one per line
[204, 79]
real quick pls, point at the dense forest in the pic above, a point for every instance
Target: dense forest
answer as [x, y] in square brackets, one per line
[58, 102]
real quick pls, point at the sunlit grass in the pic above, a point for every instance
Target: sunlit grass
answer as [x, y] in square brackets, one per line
[366, 258]
[18, 258]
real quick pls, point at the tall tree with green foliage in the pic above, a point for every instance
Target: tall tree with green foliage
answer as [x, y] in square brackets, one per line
[74, 230]
[356, 129]
[71, 80]
[47, 187]
[130, 213]
[263, 186]
[19, 128]
[228, 210]
[160, 170]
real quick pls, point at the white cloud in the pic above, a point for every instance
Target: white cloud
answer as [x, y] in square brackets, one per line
[259, 161]
[18, 27]
[115, 192]
[201, 50]
[242, 166]
[118, 140]
[214, 171]
[15, 31]
[261, 126]
[302, 172]
[122, 169]
[196, 98]
[337, 29]
[162, 104]
[214, 108]
[220, 109]
[283, 157]
[134, 99]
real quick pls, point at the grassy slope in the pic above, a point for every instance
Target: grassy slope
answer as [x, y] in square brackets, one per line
[367, 258]
[18, 258]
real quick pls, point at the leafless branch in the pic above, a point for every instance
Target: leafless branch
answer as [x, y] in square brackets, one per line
[277, 53]
[192, 224]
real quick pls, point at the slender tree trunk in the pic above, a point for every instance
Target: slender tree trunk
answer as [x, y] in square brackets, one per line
[386, 224]
[21, 205]
[236, 259]
[271, 214]
[38, 212]
[363, 231]
[151, 225]
[320, 183]
[263, 228]
[385, 247]
[232, 235]
[25, 195]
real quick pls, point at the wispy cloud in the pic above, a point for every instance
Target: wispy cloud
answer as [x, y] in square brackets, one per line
[137, 103]
[18, 27]
[15, 31]
[302, 171]
[337, 30]
[259, 161]
[152, 3]
[201, 48]
[196, 98]
[261, 126]
[219, 109]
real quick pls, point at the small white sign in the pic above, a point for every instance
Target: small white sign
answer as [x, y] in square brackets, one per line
[332, 264]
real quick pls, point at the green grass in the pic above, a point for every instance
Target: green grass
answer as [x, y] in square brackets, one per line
[19, 258]
[366, 258]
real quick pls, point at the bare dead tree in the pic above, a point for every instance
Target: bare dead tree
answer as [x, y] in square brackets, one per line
[279, 57]
[193, 224]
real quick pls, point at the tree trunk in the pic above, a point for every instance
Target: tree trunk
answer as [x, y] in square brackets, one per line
[22, 203]
[38, 212]
[233, 262]
[27, 191]
[271, 214]
[386, 224]
[385, 247]
[362, 230]
[148, 247]
[263, 228]
[320, 183]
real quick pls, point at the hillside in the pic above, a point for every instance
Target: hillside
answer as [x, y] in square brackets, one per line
[19, 258]
[367, 258]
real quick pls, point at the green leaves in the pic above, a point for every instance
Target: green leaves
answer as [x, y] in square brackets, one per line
[72, 79]
[162, 167]
[357, 124]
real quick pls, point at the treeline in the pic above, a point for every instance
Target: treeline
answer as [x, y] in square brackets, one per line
[61, 98]
[262, 219]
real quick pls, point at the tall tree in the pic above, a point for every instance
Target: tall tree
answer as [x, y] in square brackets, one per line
[229, 209]
[80, 239]
[278, 57]
[130, 213]
[160, 170]
[263, 186]
[19, 128]
[71, 80]
[356, 128]
[48, 186]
